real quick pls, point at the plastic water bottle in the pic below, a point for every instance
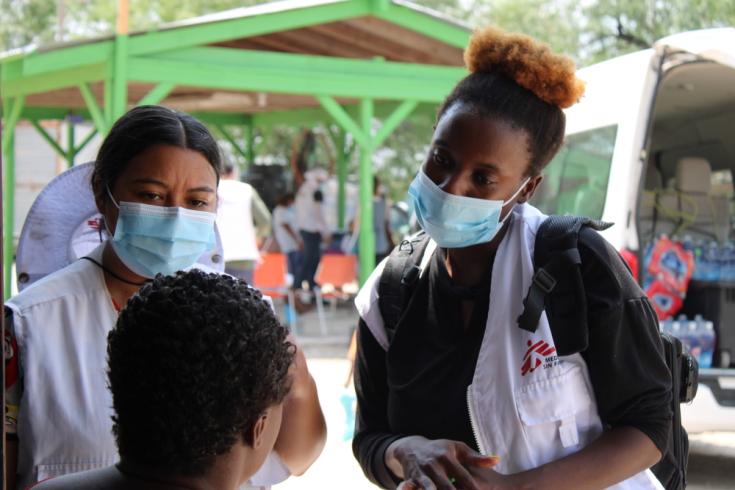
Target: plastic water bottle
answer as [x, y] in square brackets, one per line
[675, 327]
[727, 262]
[706, 337]
[666, 326]
[692, 337]
[698, 251]
[712, 262]
[704, 264]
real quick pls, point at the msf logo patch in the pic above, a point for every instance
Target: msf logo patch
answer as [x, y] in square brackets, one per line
[537, 355]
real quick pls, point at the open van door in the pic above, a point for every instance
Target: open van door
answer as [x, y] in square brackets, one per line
[716, 45]
[692, 116]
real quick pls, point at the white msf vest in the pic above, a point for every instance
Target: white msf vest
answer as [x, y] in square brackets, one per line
[526, 404]
[61, 324]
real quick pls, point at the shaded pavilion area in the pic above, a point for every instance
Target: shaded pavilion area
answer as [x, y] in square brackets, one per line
[365, 65]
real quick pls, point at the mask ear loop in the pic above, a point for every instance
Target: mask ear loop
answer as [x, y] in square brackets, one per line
[109, 193]
[510, 199]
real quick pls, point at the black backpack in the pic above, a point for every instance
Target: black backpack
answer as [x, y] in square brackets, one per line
[557, 288]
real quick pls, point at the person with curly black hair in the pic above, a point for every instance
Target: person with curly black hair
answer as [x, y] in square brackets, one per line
[198, 366]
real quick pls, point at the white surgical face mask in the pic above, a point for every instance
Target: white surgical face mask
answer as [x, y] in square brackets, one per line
[154, 240]
[456, 221]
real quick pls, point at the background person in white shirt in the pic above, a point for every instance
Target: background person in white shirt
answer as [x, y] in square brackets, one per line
[242, 217]
[286, 234]
[312, 224]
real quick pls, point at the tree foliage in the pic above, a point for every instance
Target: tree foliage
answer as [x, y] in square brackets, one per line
[614, 27]
[26, 22]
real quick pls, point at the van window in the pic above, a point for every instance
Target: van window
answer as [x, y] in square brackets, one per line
[575, 182]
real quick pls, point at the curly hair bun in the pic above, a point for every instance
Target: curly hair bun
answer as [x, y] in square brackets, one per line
[531, 64]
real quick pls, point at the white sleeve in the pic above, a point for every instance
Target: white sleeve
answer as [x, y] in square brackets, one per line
[367, 304]
[272, 472]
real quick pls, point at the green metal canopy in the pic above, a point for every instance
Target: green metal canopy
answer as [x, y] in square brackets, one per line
[351, 62]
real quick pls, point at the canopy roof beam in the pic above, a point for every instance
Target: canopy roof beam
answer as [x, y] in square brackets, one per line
[256, 25]
[344, 120]
[27, 85]
[72, 149]
[235, 69]
[157, 94]
[243, 151]
[98, 116]
[47, 137]
[433, 27]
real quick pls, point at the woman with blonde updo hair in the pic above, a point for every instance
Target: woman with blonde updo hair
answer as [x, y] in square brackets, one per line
[451, 392]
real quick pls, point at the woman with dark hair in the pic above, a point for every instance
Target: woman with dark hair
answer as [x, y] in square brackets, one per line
[454, 394]
[155, 183]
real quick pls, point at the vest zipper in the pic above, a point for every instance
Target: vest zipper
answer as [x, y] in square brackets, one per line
[473, 422]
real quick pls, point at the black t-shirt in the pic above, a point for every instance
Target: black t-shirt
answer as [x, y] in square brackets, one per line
[433, 355]
[431, 361]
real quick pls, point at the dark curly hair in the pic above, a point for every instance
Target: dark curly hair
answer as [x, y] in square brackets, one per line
[194, 360]
[519, 80]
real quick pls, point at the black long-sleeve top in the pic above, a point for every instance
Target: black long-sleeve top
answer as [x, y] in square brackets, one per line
[419, 387]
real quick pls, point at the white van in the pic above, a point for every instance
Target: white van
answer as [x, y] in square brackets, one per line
[651, 148]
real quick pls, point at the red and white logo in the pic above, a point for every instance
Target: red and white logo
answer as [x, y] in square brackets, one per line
[539, 354]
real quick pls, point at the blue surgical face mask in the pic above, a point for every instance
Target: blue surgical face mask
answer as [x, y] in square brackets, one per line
[155, 239]
[456, 221]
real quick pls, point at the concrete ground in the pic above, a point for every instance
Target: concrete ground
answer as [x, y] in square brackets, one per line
[712, 454]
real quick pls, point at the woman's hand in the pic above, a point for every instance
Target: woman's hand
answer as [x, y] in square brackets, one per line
[436, 464]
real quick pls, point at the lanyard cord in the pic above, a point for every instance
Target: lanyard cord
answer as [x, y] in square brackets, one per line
[115, 275]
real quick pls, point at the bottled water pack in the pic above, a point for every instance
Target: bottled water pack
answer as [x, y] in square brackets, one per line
[697, 335]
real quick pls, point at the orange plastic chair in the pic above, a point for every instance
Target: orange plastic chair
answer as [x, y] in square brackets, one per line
[334, 273]
[270, 278]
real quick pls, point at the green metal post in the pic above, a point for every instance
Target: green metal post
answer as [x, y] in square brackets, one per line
[367, 234]
[107, 109]
[70, 144]
[8, 213]
[341, 144]
[250, 141]
[120, 78]
[8, 148]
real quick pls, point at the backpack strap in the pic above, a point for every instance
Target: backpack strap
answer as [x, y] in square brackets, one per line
[400, 274]
[557, 285]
